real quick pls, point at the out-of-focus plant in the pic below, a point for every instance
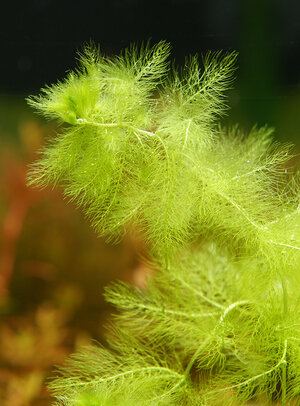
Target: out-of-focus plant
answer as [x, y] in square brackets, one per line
[141, 146]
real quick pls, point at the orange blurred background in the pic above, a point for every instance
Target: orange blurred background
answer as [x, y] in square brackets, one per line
[53, 269]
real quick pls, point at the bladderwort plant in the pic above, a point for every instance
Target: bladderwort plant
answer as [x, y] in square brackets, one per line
[141, 148]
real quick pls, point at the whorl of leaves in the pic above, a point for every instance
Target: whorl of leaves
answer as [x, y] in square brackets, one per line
[141, 146]
[207, 331]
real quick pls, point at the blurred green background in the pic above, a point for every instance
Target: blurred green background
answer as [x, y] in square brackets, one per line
[52, 265]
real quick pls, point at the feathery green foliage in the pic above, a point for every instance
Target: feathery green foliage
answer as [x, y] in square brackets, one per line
[219, 322]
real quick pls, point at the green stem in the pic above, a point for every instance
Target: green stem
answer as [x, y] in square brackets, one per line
[194, 357]
[82, 121]
[284, 296]
[283, 384]
[198, 293]
[231, 307]
[281, 362]
[163, 371]
[283, 367]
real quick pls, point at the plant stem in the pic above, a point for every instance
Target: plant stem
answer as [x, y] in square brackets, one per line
[282, 361]
[194, 357]
[82, 121]
[283, 368]
[284, 296]
[283, 385]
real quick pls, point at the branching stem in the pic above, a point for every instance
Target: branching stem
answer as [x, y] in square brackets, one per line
[82, 121]
[174, 312]
[285, 311]
[231, 307]
[198, 293]
[193, 359]
[169, 391]
[122, 374]
[260, 168]
[187, 132]
[285, 245]
[280, 362]
[203, 345]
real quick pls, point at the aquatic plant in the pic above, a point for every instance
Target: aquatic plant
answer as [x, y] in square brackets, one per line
[141, 148]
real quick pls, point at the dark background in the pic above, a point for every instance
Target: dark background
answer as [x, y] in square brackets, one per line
[40, 39]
